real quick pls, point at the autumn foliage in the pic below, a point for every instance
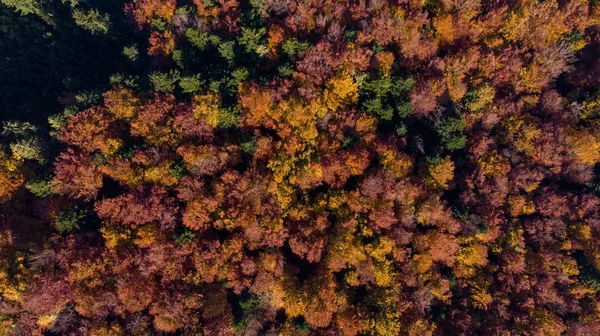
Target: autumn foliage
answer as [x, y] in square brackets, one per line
[324, 168]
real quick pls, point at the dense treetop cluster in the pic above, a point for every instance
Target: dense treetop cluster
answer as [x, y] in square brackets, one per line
[310, 167]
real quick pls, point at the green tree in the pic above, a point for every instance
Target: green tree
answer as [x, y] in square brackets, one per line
[451, 132]
[184, 237]
[292, 46]
[70, 220]
[92, 21]
[165, 82]
[387, 98]
[29, 148]
[191, 84]
[40, 187]
[131, 52]
[229, 117]
[249, 143]
[253, 40]
[26, 7]
[197, 39]
[226, 51]
[17, 128]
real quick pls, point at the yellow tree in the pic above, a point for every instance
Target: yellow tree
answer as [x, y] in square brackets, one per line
[440, 173]
[10, 175]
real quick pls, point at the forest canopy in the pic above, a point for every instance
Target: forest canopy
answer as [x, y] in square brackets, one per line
[310, 167]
